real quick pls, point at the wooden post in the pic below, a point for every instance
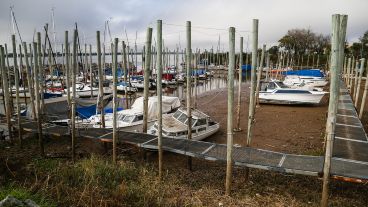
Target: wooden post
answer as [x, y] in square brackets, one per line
[361, 71]
[230, 101]
[238, 129]
[115, 98]
[29, 81]
[259, 75]
[159, 96]
[189, 84]
[364, 94]
[16, 76]
[21, 74]
[356, 78]
[38, 95]
[253, 80]
[337, 53]
[348, 73]
[75, 70]
[100, 79]
[268, 66]
[91, 71]
[6, 88]
[146, 78]
[125, 73]
[351, 74]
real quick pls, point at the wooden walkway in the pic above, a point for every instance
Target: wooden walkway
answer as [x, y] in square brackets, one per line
[350, 157]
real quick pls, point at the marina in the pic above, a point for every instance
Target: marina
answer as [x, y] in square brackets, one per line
[157, 122]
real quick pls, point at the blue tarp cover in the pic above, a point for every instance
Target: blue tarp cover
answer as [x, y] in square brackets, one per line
[88, 111]
[306, 72]
[246, 67]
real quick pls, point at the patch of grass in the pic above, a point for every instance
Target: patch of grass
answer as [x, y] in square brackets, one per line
[23, 194]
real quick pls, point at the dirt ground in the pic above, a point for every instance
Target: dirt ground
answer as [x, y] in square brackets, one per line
[291, 129]
[283, 128]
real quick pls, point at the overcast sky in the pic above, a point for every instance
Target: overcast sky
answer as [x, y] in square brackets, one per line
[210, 18]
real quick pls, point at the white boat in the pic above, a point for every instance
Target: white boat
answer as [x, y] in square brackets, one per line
[83, 90]
[275, 92]
[295, 80]
[175, 125]
[126, 87]
[132, 119]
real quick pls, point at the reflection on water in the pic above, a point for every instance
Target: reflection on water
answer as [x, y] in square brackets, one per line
[178, 90]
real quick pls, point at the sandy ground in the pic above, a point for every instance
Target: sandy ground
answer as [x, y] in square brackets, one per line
[291, 129]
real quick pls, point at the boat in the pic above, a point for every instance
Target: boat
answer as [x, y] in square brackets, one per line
[138, 82]
[168, 79]
[180, 77]
[132, 119]
[126, 87]
[276, 92]
[175, 125]
[310, 77]
[84, 90]
[295, 80]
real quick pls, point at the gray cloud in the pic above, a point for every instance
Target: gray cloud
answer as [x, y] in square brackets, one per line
[210, 18]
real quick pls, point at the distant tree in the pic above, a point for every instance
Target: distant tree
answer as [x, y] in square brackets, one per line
[301, 41]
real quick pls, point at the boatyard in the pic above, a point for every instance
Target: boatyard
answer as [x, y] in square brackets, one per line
[179, 114]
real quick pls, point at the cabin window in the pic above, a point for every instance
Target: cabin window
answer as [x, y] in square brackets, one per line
[201, 122]
[194, 131]
[293, 91]
[128, 119]
[138, 118]
[182, 133]
[202, 129]
[193, 122]
[271, 85]
[121, 117]
[177, 114]
[183, 118]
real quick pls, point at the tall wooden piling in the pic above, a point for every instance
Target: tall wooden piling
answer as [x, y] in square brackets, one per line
[159, 96]
[100, 79]
[90, 70]
[361, 71]
[38, 95]
[114, 98]
[75, 70]
[189, 84]
[29, 81]
[41, 71]
[239, 86]
[259, 74]
[348, 71]
[253, 80]
[364, 96]
[339, 23]
[125, 73]
[7, 95]
[230, 101]
[16, 82]
[146, 78]
[356, 78]
[67, 69]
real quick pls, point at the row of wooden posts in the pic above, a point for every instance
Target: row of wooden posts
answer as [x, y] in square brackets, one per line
[338, 36]
[352, 75]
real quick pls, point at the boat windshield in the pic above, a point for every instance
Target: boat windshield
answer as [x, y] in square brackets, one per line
[128, 118]
[282, 85]
[121, 117]
[177, 114]
[182, 118]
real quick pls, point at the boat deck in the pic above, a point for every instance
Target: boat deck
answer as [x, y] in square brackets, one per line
[350, 157]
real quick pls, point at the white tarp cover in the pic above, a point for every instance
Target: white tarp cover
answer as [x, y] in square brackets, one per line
[168, 104]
